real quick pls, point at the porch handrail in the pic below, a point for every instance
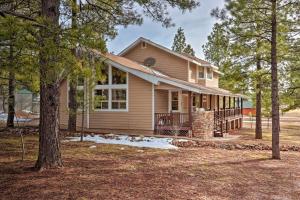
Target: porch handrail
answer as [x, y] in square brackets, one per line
[228, 112]
[172, 119]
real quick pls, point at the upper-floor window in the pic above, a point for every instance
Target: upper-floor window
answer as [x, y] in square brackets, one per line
[111, 91]
[209, 73]
[201, 72]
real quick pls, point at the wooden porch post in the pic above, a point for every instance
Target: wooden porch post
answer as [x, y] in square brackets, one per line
[224, 105]
[234, 106]
[210, 100]
[201, 100]
[229, 102]
[241, 124]
[242, 106]
[190, 109]
[218, 105]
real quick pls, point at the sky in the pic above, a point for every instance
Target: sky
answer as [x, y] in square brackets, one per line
[197, 25]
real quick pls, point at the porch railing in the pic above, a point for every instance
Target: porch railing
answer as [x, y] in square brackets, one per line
[172, 123]
[222, 117]
[229, 112]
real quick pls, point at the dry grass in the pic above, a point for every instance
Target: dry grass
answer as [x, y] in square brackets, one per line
[122, 172]
[290, 134]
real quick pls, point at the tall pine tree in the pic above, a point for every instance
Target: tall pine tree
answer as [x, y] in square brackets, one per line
[253, 27]
[179, 44]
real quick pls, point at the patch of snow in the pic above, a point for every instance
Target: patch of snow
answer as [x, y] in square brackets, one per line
[3, 117]
[92, 147]
[182, 140]
[27, 111]
[149, 142]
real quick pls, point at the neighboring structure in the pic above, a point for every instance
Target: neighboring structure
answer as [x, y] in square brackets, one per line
[248, 108]
[149, 88]
[25, 100]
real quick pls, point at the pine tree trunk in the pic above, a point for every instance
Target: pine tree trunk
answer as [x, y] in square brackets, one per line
[72, 105]
[49, 145]
[11, 92]
[275, 99]
[73, 83]
[258, 125]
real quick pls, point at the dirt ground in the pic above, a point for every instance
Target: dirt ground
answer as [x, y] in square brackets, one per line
[122, 172]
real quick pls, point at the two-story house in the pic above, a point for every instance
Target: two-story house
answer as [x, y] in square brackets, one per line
[150, 88]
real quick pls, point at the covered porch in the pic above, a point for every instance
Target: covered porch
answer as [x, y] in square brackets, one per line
[185, 113]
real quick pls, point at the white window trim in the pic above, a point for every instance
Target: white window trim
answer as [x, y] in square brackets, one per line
[212, 74]
[204, 72]
[93, 96]
[109, 87]
[170, 100]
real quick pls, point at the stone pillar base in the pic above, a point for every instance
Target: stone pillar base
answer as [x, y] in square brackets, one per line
[203, 124]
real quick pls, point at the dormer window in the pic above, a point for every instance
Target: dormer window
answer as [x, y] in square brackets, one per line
[201, 74]
[209, 73]
[144, 45]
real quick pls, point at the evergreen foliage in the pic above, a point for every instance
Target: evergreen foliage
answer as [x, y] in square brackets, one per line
[179, 43]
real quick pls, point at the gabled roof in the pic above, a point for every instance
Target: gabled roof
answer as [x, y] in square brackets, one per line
[184, 56]
[156, 77]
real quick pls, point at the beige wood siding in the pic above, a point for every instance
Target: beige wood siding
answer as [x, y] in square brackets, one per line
[214, 82]
[193, 72]
[161, 101]
[165, 62]
[202, 82]
[139, 115]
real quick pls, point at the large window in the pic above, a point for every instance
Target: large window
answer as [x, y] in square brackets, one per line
[209, 73]
[102, 79]
[111, 92]
[201, 72]
[118, 76]
[101, 99]
[118, 98]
